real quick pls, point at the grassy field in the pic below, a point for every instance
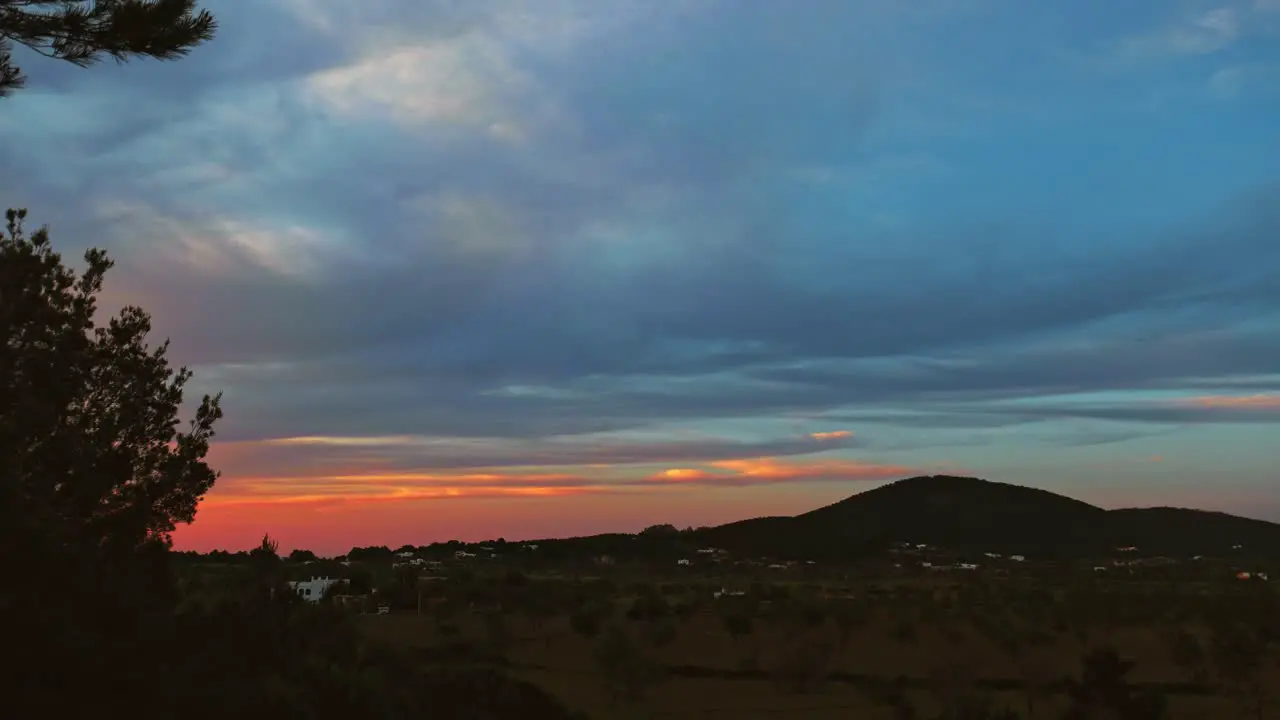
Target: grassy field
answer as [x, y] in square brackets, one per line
[698, 670]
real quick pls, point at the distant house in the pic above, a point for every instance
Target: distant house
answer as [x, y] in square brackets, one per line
[993, 556]
[1243, 575]
[967, 566]
[1099, 568]
[461, 554]
[314, 589]
[1017, 558]
[1261, 576]
[405, 554]
[682, 561]
[707, 551]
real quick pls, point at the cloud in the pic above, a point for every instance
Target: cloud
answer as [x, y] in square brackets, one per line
[449, 238]
[831, 435]
[1226, 402]
[411, 453]
[365, 485]
[1258, 79]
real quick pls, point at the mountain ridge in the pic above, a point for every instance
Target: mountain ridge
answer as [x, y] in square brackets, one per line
[973, 514]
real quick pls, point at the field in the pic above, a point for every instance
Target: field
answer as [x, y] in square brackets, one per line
[654, 647]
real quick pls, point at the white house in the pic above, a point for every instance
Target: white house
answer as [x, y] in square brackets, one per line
[314, 589]
[1017, 558]
[463, 554]
[682, 561]
[405, 554]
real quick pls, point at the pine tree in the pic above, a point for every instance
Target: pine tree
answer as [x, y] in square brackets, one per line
[82, 32]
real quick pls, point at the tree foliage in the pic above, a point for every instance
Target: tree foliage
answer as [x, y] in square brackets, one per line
[83, 32]
[94, 471]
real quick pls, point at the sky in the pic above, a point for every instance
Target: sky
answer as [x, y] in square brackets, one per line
[518, 268]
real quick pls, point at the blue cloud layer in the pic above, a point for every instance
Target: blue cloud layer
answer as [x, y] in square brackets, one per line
[483, 219]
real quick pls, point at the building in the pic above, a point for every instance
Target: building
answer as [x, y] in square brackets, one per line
[314, 589]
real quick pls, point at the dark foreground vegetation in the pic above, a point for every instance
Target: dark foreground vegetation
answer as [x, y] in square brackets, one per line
[643, 638]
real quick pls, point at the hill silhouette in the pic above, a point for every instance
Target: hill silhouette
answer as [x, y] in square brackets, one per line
[971, 514]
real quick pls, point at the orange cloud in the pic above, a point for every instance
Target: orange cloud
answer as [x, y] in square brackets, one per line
[397, 495]
[374, 487]
[766, 470]
[832, 435]
[684, 475]
[1246, 402]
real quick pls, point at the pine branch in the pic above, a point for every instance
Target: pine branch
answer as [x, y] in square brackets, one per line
[83, 32]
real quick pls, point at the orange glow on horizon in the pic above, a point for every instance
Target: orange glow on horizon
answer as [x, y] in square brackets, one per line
[333, 492]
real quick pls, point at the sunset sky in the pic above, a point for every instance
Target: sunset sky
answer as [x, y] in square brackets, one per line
[524, 268]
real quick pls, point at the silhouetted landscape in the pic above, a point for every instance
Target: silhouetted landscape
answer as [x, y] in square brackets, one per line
[977, 515]
[934, 597]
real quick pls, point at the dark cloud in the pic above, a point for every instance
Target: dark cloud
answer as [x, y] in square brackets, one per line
[667, 234]
[405, 454]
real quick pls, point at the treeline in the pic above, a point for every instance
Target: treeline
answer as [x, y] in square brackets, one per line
[657, 542]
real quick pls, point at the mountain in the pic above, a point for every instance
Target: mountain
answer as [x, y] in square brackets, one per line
[971, 514]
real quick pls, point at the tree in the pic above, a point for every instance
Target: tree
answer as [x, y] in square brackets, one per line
[738, 625]
[302, 556]
[1103, 690]
[626, 669]
[1241, 660]
[83, 32]
[94, 473]
[1188, 653]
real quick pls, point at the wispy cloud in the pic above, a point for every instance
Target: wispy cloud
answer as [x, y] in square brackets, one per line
[1227, 402]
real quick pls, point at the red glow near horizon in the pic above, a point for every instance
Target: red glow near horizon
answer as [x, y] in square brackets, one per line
[372, 505]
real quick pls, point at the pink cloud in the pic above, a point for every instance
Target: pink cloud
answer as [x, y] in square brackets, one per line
[1237, 402]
